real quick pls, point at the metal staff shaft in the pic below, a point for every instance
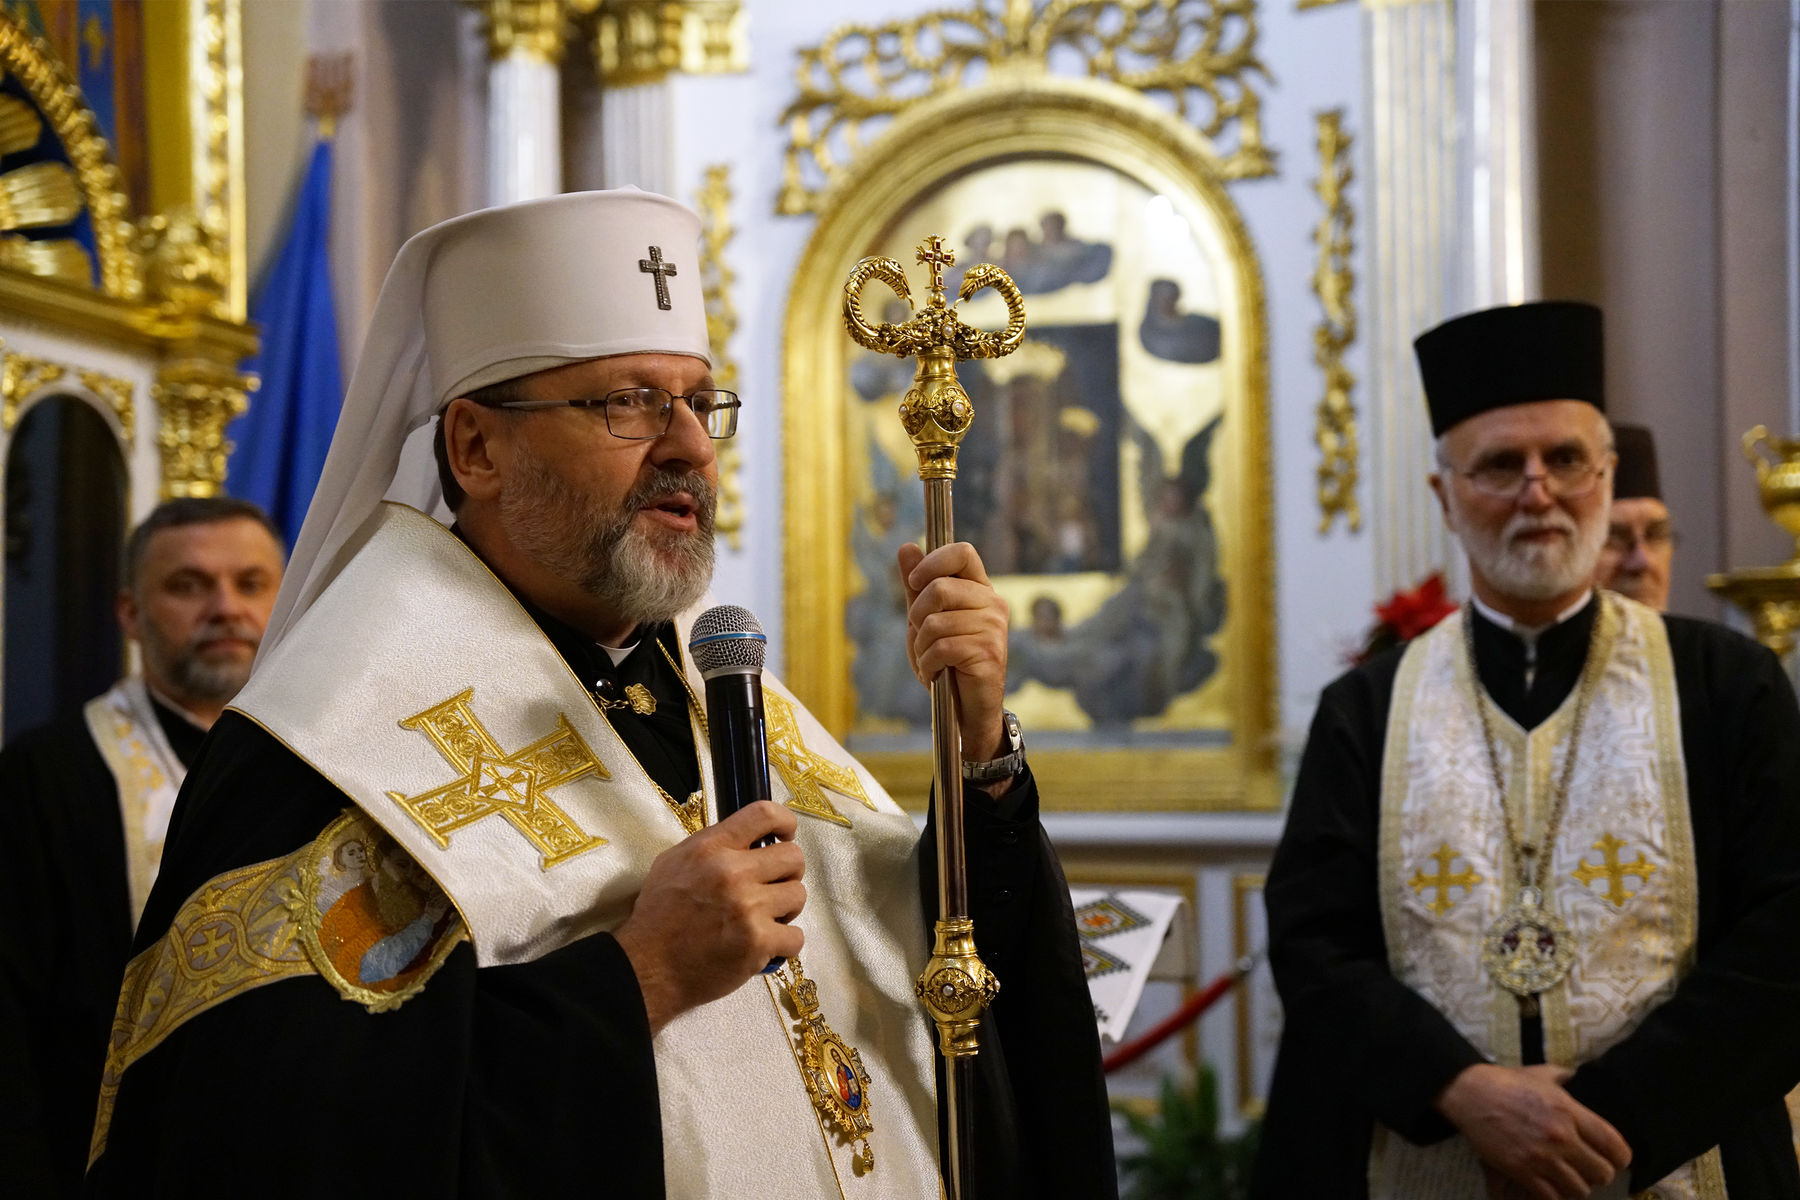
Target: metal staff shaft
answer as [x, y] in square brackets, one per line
[952, 872]
[955, 987]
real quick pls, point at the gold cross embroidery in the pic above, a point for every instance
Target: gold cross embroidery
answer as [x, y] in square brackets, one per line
[1612, 870]
[513, 785]
[1443, 881]
[805, 773]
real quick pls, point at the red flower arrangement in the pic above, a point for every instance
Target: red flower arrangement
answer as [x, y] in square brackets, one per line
[1406, 616]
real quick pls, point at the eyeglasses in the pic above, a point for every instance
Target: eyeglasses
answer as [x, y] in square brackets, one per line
[645, 412]
[1568, 474]
[1621, 538]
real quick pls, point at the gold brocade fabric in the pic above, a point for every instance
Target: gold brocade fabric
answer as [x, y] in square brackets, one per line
[350, 906]
[148, 774]
[1620, 873]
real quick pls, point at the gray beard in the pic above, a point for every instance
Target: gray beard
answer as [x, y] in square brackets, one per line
[1535, 573]
[193, 676]
[644, 576]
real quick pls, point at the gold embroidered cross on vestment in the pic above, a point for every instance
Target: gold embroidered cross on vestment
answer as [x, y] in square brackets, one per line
[807, 774]
[1443, 881]
[1613, 871]
[515, 785]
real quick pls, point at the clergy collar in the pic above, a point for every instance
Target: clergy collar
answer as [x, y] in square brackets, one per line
[174, 708]
[1529, 634]
[578, 649]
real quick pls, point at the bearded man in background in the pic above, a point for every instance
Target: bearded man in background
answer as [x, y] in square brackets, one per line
[1531, 916]
[86, 803]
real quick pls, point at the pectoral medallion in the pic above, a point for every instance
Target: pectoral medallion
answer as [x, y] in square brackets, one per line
[831, 1067]
[1529, 949]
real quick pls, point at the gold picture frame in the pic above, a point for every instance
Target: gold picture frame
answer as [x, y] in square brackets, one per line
[1226, 761]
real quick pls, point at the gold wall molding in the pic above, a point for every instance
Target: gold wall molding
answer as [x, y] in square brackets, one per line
[1057, 117]
[24, 376]
[118, 394]
[21, 377]
[196, 398]
[642, 41]
[48, 82]
[716, 278]
[219, 171]
[1334, 283]
[1199, 55]
[533, 29]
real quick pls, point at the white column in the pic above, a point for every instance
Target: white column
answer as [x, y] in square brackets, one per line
[524, 141]
[637, 137]
[524, 127]
[1498, 168]
[1412, 249]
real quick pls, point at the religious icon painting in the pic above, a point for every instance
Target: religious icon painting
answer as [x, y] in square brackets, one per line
[1113, 479]
[373, 922]
[831, 1068]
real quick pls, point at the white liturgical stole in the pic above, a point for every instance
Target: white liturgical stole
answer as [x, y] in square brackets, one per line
[418, 685]
[149, 775]
[1620, 874]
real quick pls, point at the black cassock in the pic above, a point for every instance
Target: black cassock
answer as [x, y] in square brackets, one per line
[65, 936]
[1710, 1066]
[535, 1078]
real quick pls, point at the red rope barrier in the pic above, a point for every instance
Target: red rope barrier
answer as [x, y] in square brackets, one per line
[1175, 1022]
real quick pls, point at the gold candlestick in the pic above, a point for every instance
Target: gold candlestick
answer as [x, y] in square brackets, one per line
[956, 986]
[1771, 595]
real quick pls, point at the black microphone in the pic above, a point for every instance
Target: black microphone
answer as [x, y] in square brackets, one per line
[728, 646]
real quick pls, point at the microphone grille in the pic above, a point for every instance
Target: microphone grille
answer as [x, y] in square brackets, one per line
[726, 638]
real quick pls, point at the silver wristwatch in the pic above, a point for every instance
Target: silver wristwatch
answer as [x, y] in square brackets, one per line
[1007, 765]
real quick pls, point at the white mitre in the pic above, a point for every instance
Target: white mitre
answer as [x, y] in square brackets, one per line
[475, 300]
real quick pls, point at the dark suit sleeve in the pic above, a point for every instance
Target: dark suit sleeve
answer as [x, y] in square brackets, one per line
[1725, 1048]
[1371, 1040]
[1043, 1126]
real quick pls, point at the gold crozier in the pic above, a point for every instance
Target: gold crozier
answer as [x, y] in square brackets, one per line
[513, 785]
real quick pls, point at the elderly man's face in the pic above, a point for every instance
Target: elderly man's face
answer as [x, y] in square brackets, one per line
[1640, 547]
[628, 521]
[199, 606]
[1539, 542]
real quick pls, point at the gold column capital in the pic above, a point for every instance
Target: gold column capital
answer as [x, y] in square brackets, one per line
[643, 41]
[197, 396]
[531, 29]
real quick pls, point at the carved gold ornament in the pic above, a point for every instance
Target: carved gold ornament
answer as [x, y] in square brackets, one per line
[21, 377]
[515, 786]
[643, 41]
[956, 987]
[716, 278]
[936, 411]
[1199, 54]
[1334, 283]
[195, 400]
[533, 29]
[93, 181]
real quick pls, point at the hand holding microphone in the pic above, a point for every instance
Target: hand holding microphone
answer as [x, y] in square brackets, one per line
[717, 906]
[728, 645]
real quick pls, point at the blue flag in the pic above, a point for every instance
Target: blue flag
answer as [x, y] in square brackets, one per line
[282, 439]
